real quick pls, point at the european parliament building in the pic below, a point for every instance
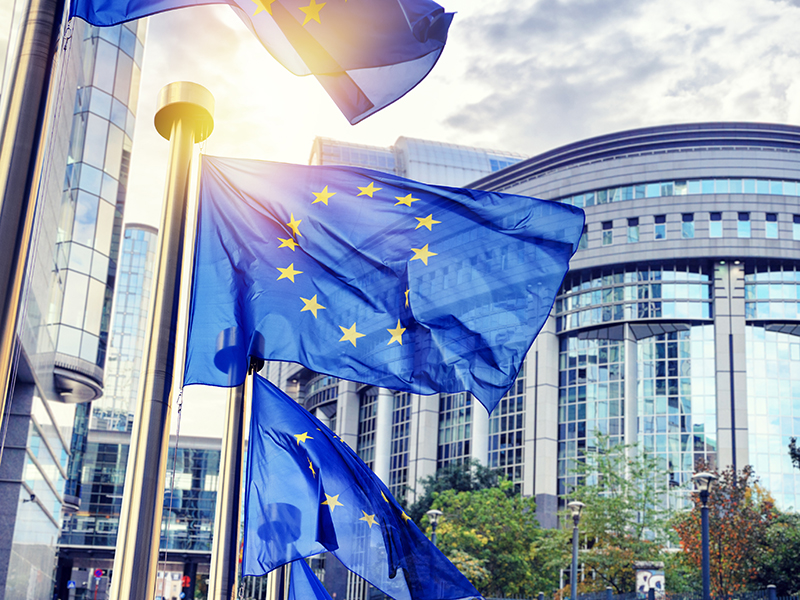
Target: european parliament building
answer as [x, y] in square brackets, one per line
[676, 327]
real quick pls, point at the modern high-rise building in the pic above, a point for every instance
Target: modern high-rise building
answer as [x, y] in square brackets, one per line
[67, 305]
[677, 327]
[420, 160]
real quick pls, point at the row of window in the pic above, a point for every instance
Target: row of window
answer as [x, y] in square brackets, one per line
[743, 228]
[772, 187]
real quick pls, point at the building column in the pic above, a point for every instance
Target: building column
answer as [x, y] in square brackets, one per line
[347, 409]
[423, 442]
[479, 438]
[541, 425]
[630, 433]
[383, 435]
[729, 337]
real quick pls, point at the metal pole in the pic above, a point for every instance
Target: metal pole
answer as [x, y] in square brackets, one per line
[706, 553]
[21, 149]
[225, 546]
[573, 575]
[433, 532]
[185, 117]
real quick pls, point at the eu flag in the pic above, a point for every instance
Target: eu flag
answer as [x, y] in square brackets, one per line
[307, 492]
[371, 277]
[365, 53]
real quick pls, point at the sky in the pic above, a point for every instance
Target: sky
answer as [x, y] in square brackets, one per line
[520, 75]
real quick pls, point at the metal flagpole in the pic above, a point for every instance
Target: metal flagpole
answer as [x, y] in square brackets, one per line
[21, 149]
[184, 117]
[225, 545]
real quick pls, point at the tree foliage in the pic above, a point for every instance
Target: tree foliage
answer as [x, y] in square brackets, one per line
[780, 564]
[794, 453]
[740, 513]
[466, 477]
[493, 536]
[624, 491]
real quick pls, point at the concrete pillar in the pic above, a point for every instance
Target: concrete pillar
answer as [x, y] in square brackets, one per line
[731, 383]
[541, 408]
[479, 443]
[383, 435]
[423, 442]
[347, 407]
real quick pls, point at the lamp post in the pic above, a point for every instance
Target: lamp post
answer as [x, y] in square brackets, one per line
[703, 483]
[576, 507]
[433, 517]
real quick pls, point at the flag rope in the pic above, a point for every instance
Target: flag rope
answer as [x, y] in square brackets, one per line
[165, 528]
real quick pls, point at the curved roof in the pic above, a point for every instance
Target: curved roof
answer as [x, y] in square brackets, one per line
[649, 140]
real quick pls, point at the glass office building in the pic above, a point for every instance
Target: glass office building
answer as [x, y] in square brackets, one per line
[134, 283]
[420, 160]
[67, 305]
[676, 328]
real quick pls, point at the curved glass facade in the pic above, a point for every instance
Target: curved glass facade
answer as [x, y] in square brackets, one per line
[631, 292]
[94, 192]
[773, 406]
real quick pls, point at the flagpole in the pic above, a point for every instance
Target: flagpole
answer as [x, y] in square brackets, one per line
[184, 117]
[21, 149]
[225, 545]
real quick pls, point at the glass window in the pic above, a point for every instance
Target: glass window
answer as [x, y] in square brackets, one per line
[113, 158]
[743, 225]
[633, 230]
[796, 227]
[69, 341]
[105, 65]
[101, 103]
[80, 258]
[660, 232]
[771, 226]
[608, 233]
[105, 222]
[127, 41]
[85, 218]
[74, 299]
[584, 243]
[687, 227]
[95, 145]
[715, 225]
[122, 82]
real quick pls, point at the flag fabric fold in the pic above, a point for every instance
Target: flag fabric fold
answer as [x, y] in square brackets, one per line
[307, 492]
[371, 277]
[365, 53]
[304, 585]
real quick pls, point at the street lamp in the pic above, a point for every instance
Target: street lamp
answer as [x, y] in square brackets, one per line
[576, 507]
[703, 483]
[433, 517]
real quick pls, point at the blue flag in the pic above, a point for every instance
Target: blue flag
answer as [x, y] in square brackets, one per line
[365, 53]
[371, 277]
[307, 492]
[304, 585]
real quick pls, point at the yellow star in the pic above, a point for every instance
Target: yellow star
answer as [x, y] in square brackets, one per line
[289, 272]
[406, 518]
[385, 499]
[310, 466]
[294, 224]
[405, 200]
[290, 243]
[302, 437]
[422, 254]
[369, 190]
[323, 196]
[312, 11]
[397, 335]
[426, 222]
[350, 334]
[407, 290]
[263, 5]
[370, 519]
[311, 305]
[332, 501]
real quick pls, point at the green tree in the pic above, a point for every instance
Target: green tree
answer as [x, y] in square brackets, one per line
[493, 536]
[624, 520]
[739, 516]
[780, 563]
[466, 477]
[794, 453]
